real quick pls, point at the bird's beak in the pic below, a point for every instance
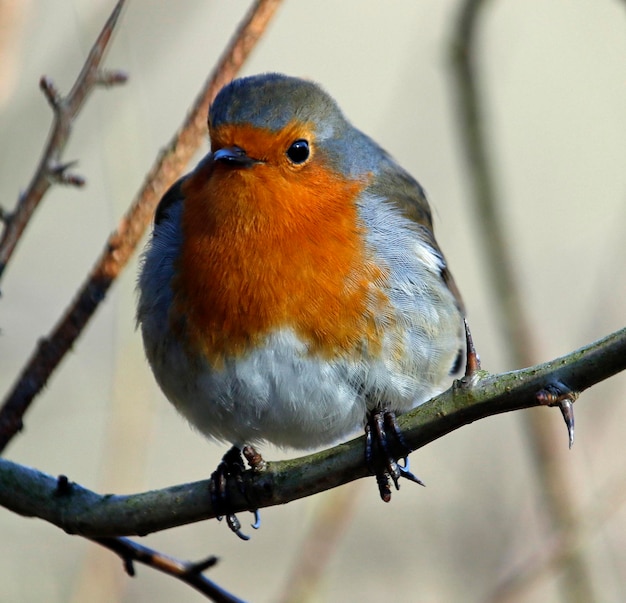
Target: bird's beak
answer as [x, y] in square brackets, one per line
[234, 156]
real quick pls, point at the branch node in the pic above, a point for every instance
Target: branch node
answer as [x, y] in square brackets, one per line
[111, 77]
[50, 92]
[64, 486]
[559, 394]
[129, 566]
[59, 174]
[200, 566]
[5, 215]
[554, 393]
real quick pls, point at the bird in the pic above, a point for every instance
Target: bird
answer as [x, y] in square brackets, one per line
[292, 290]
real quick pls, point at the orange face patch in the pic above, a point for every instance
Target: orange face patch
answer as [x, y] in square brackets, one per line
[273, 246]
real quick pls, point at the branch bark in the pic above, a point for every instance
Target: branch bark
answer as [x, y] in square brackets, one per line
[190, 573]
[80, 511]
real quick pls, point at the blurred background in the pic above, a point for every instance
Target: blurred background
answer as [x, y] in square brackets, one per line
[553, 81]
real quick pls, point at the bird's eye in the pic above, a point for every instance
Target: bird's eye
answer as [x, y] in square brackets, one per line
[299, 151]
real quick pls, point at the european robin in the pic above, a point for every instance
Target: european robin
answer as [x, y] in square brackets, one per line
[293, 290]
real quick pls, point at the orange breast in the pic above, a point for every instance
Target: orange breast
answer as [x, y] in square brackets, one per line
[269, 247]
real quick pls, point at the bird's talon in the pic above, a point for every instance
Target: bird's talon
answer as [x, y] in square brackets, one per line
[411, 476]
[257, 520]
[383, 486]
[393, 471]
[231, 465]
[391, 422]
[235, 526]
[380, 424]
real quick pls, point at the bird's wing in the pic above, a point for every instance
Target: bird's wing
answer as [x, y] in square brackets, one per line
[410, 198]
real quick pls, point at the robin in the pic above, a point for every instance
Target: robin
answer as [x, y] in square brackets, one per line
[293, 290]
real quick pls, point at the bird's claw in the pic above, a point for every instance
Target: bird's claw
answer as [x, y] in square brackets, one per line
[558, 394]
[380, 423]
[231, 465]
[404, 470]
[257, 520]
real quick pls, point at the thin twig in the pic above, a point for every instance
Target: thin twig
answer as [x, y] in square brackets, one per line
[513, 320]
[80, 511]
[122, 243]
[188, 572]
[50, 169]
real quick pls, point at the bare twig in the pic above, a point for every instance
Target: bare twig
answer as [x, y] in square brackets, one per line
[122, 243]
[187, 572]
[513, 320]
[79, 511]
[50, 169]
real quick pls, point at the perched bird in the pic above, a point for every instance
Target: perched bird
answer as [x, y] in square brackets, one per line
[292, 290]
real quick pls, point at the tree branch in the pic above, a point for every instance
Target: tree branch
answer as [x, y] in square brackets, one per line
[80, 511]
[50, 169]
[121, 244]
[191, 573]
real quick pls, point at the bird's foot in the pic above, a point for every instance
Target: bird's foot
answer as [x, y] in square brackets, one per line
[380, 425]
[232, 466]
